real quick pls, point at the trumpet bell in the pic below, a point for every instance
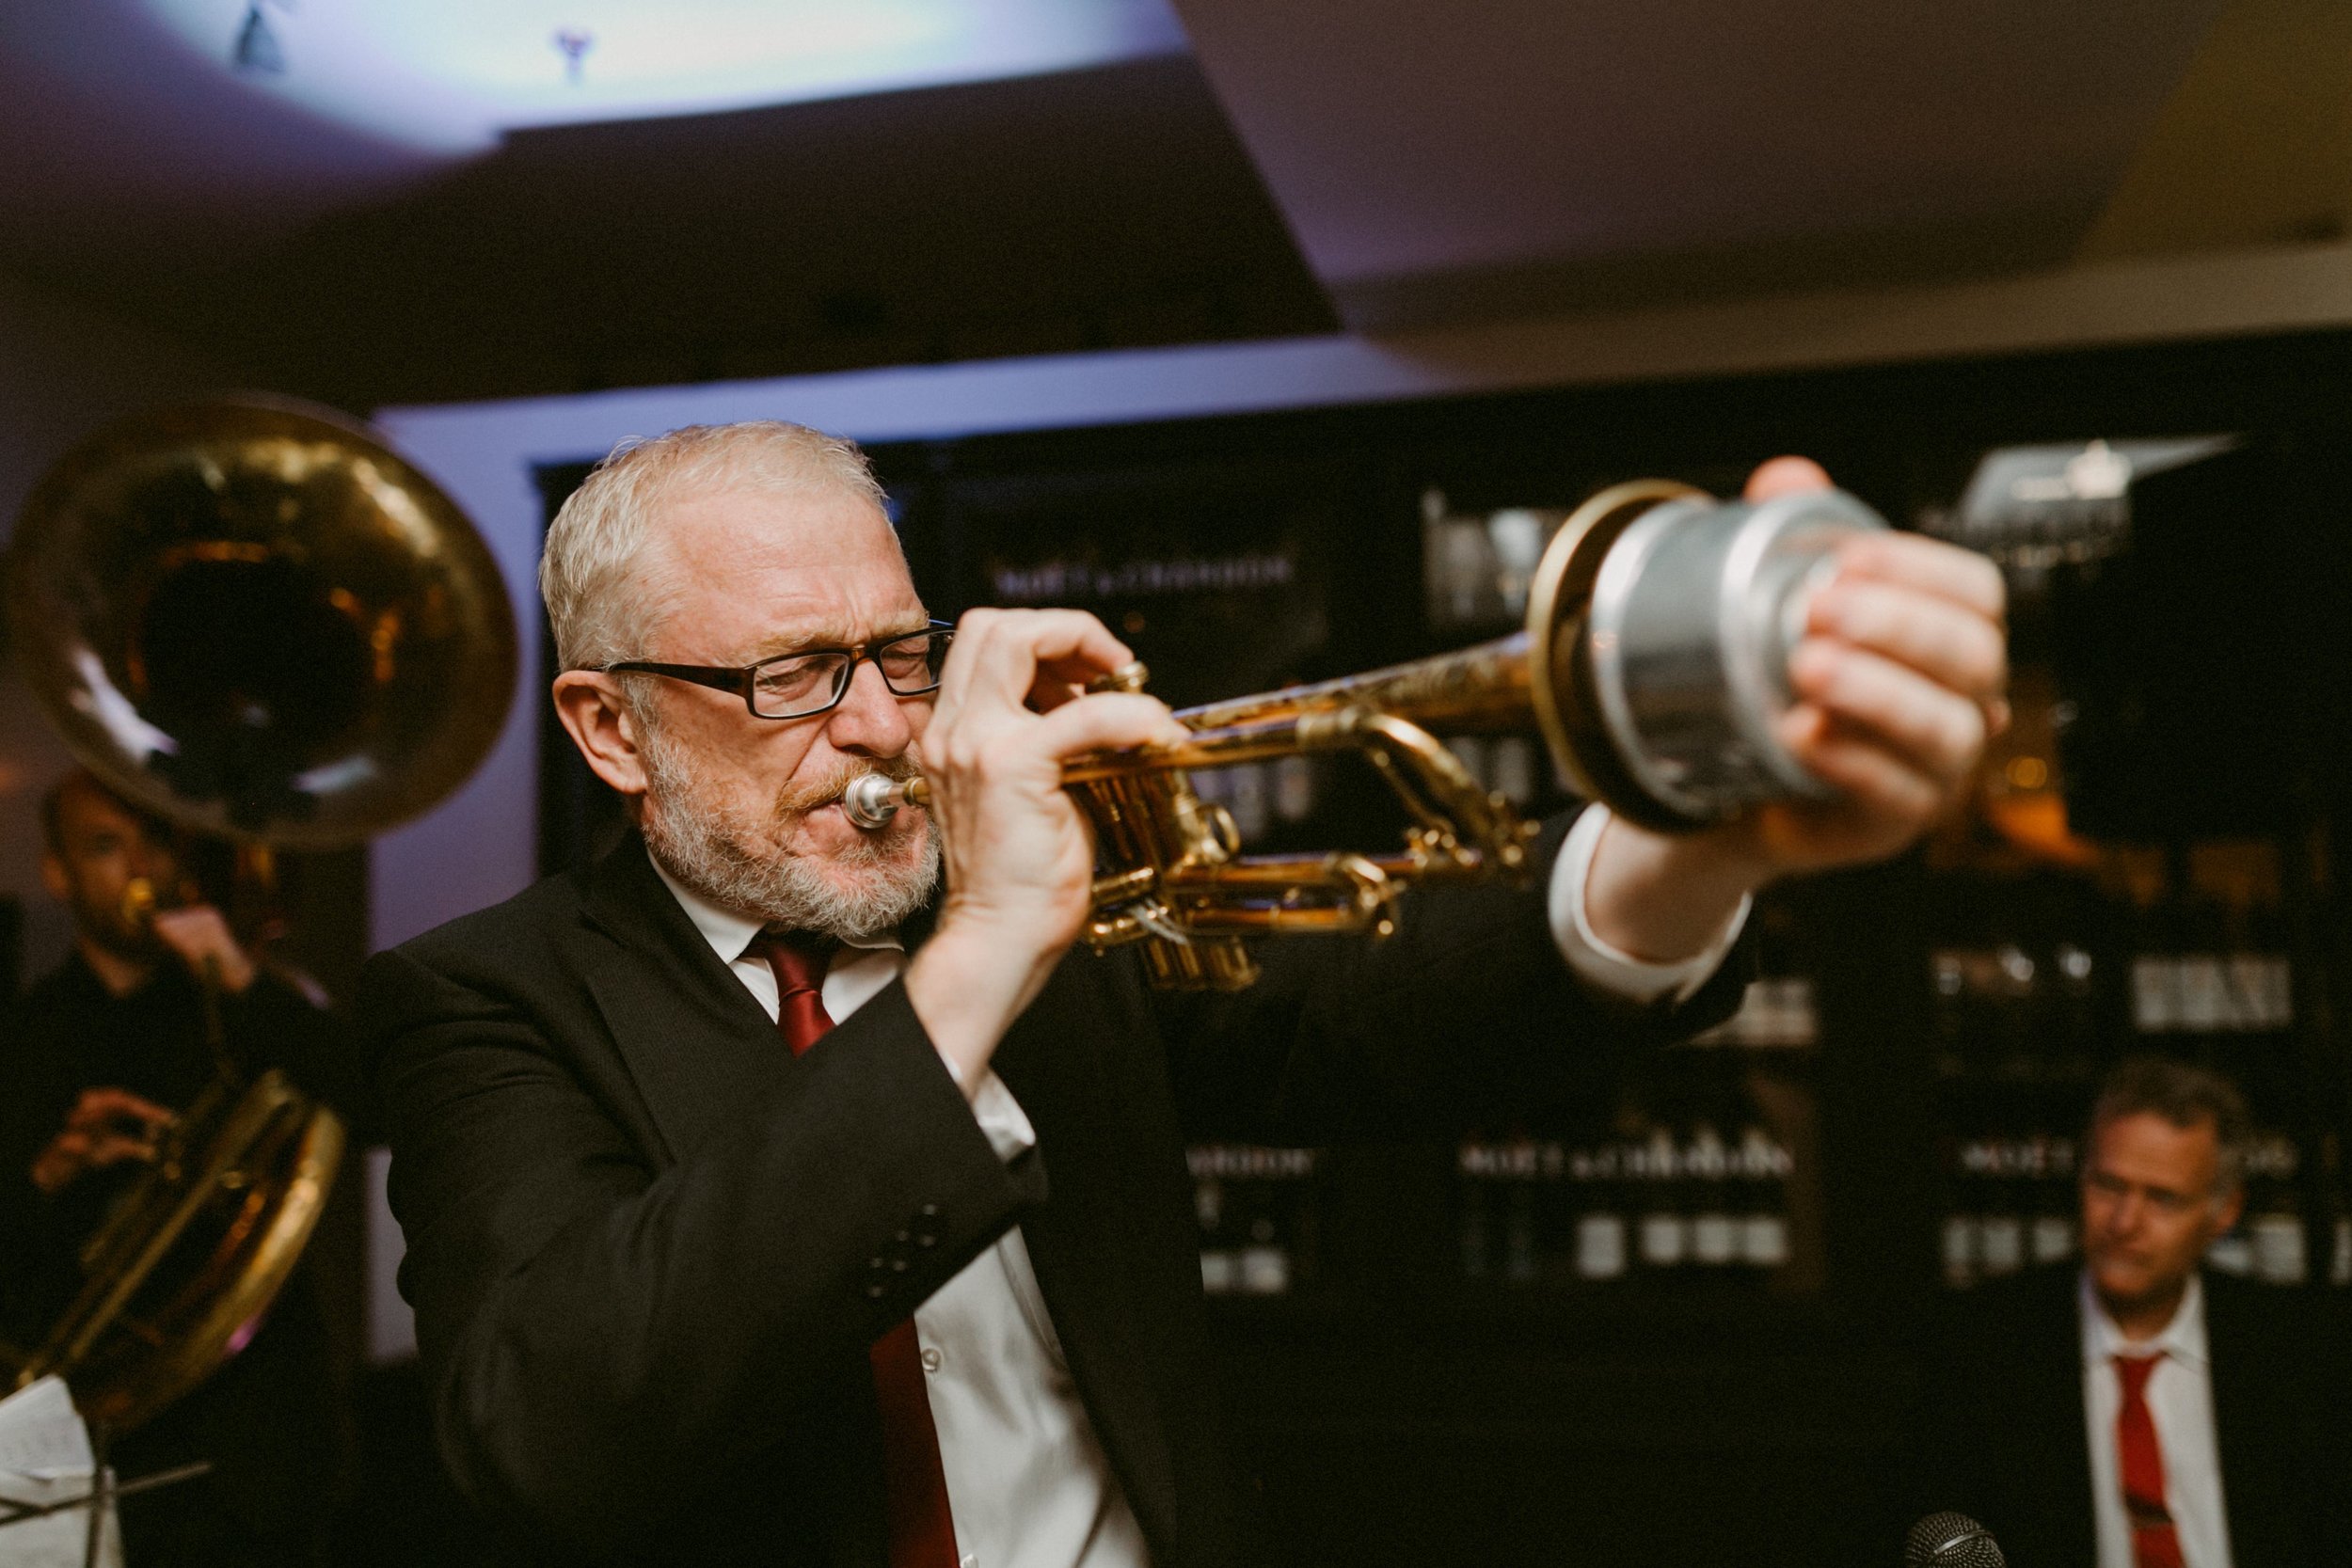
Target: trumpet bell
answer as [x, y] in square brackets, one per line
[1659, 627]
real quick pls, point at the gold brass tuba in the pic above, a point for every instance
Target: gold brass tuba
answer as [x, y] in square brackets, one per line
[257, 621]
[1653, 662]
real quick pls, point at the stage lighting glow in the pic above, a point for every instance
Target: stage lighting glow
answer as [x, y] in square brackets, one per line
[455, 74]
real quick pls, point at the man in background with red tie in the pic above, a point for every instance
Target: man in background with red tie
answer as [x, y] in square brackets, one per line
[2140, 1411]
[918, 1285]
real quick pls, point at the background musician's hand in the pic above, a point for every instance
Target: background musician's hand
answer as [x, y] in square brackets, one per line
[1900, 681]
[105, 1127]
[199, 935]
[1018, 853]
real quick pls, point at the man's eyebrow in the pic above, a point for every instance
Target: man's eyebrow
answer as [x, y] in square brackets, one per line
[785, 643]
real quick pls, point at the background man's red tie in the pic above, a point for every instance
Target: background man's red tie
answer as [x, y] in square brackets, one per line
[922, 1531]
[2154, 1541]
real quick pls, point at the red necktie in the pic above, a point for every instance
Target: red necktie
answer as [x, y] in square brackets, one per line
[922, 1530]
[2155, 1544]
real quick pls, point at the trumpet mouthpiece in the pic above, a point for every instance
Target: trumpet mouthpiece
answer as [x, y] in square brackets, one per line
[871, 799]
[139, 901]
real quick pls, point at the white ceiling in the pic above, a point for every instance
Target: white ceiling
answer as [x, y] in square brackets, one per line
[455, 74]
[1431, 164]
[1442, 161]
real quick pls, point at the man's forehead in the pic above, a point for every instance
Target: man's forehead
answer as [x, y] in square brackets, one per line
[724, 531]
[86, 808]
[2145, 1144]
[789, 567]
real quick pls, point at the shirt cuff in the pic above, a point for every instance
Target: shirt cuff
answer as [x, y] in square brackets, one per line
[1610, 969]
[1002, 1119]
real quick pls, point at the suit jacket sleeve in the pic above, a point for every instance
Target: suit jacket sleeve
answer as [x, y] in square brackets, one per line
[607, 1323]
[1467, 1012]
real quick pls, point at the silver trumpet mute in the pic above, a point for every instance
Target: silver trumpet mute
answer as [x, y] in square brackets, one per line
[871, 799]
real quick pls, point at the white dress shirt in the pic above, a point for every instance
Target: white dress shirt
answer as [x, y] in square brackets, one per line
[2180, 1402]
[1027, 1481]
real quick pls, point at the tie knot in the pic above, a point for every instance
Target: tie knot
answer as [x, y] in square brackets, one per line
[800, 959]
[2134, 1372]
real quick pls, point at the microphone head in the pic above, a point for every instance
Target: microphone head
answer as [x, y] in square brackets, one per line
[1950, 1540]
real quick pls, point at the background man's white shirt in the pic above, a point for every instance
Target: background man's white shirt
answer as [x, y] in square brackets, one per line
[2180, 1402]
[1027, 1479]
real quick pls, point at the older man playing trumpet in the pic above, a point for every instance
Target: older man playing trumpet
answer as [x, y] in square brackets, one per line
[781, 1187]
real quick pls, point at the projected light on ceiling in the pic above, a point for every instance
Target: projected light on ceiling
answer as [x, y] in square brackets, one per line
[452, 75]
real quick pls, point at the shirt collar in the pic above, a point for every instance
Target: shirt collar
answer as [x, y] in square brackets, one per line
[729, 933]
[2182, 1339]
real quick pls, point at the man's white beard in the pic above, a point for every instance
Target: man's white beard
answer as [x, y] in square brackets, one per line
[708, 848]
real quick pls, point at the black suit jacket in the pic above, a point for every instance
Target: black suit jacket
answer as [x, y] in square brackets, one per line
[647, 1248]
[2008, 1443]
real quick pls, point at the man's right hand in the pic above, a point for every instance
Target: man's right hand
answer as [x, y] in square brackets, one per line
[105, 1127]
[1018, 852]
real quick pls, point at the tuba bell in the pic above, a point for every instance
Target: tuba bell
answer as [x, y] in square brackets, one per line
[255, 620]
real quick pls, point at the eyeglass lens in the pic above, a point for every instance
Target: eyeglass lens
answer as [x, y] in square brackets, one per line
[787, 688]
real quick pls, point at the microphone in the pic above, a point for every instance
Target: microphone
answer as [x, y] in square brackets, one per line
[1949, 1540]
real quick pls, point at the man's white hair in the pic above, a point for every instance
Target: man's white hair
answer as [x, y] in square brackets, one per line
[605, 587]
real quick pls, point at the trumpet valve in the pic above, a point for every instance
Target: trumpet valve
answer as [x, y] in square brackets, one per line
[1130, 676]
[1208, 828]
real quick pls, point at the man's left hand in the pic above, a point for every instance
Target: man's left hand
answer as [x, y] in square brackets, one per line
[201, 939]
[1899, 680]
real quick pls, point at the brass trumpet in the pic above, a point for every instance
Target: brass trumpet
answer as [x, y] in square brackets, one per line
[1653, 662]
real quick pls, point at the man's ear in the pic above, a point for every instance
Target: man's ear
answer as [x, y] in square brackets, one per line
[53, 878]
[589, 704]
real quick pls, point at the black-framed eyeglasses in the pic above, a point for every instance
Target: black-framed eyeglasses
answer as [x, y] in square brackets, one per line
[803, 685]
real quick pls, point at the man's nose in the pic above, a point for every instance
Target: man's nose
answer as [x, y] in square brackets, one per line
[870, 717]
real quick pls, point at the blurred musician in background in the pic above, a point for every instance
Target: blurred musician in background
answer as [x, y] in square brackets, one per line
[2139, 1410]
[916, 1284]
[95, 1061]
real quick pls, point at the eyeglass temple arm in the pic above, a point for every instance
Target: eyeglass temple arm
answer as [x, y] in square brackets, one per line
[735, 681]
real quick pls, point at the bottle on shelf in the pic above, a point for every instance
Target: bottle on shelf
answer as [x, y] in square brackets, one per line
[2056, 1205]
[1256, 1208]
[1294, 787]
[1714, 1221]
[2001, 1225]
[1600, 1252]
[2273, 1222]
[1663, 1230]
[1764, 1168]
[1503, 1209]
[1512, 770]
[1475, 1220]
[1957, 1246]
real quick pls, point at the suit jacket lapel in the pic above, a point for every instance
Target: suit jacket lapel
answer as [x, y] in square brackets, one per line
[695, 1041]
